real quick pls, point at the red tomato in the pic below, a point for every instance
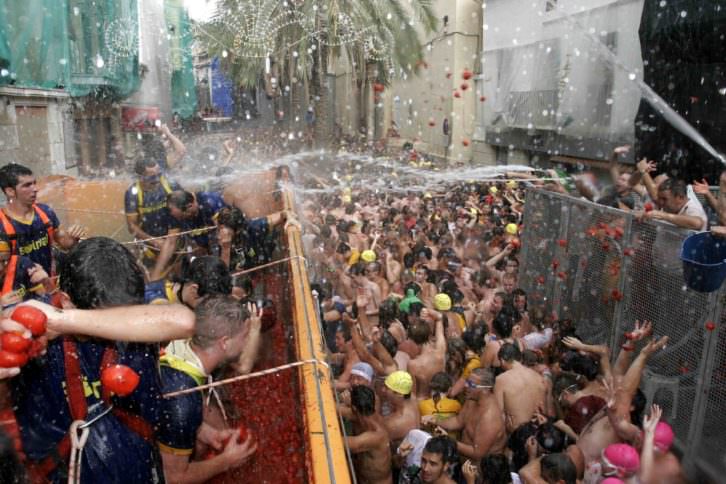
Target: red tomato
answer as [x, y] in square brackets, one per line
[243, 433]
[14, 342]
[482, 98]
[467, 74]
[562, 243]
[457, 94]
[120, 379]
[555, 264]
[11, 360]
[464, 86]
[465, 142]
[616, 295]
[710, 326]
[516, 243]
[31, 318]
[562, 275]
[648, 207]
[618, 232]
[540, 280]
[628, 252]
[37, 347]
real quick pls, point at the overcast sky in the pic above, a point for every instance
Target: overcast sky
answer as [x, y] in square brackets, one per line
[200, 9]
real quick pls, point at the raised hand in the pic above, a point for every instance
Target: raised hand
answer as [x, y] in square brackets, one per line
[651, 421]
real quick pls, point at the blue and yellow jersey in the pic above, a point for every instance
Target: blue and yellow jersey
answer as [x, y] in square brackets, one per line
[113, 452]
[32, 237]
[210, 203]
[182, 415]
[160, 292]
[151, 206]
[257, 246]
[21, 280]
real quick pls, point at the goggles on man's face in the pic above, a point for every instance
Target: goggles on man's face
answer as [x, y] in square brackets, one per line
[474, 386]
[151, 179]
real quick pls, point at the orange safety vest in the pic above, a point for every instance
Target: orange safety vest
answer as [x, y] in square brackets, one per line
[10, 275]
[9, 228]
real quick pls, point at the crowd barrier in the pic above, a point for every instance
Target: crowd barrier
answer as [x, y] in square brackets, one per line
[604, 269]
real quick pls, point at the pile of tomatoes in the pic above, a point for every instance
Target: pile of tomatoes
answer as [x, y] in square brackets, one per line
[271, 408]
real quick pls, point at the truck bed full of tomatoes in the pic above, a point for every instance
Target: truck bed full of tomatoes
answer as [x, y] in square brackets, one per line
[271, 406]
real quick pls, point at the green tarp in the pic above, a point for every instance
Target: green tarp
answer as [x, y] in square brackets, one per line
[84, 46]
[183, 92]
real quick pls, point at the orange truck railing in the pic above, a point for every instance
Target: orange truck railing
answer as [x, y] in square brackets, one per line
[327, 449]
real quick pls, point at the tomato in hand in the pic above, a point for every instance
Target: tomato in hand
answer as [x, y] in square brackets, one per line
[648, 207]
[12, 360]
[32, 318]
[14, 342]
[120, 379]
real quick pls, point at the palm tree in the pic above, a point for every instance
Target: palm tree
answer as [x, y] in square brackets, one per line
[300, 41]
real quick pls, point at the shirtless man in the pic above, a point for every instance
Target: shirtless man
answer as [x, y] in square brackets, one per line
[404, 415]
[657, 462]
[370, 446]
[437, 456]
[492, 308]
[520, 391]
[432, 358]
[344, 345]
[374, 274]
[617, 427]
[481, 418]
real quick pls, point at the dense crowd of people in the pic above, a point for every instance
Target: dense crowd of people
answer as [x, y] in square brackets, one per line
[444, 373]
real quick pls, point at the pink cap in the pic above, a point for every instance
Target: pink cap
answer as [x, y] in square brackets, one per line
[663, 436]
[612, 480]
[623, 457]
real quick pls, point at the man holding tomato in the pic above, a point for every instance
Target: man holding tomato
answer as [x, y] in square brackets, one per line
[103, 322]
[221, 331]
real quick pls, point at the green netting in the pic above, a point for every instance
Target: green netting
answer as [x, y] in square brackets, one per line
[183, 92]
[35, 40]
[85, 46]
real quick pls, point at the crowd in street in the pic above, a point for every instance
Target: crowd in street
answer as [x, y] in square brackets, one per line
[444, 372]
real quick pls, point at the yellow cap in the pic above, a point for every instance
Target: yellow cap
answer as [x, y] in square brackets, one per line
[346, 191]
[4, 246]
[493, 190]
[368, 256]
[427, 195]
[512, 184]
[442, 302]
[511, 229]
[346, 199]
[400, 382]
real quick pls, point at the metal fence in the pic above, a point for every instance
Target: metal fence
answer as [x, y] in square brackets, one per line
[604, 269]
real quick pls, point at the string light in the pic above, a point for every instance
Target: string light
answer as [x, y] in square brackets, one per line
[257, 24]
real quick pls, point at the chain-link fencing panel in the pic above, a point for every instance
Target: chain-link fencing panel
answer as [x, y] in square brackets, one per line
[603, 269]
[656, 292]
[542, 225]
[709, 432]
